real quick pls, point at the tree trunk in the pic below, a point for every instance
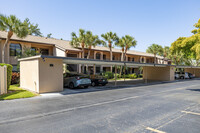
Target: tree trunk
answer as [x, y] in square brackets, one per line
[122, 59]
[10, 33]
[154, 58]
[83, 55]
[175, 60]
[88, 56]
[125, 64]
[110, 46]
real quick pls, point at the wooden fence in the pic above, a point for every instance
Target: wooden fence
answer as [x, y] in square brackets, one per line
[3, 79]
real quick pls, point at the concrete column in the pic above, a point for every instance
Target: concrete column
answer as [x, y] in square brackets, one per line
[79, 65]
[140, 59]
[101, 67]
[95, 52]
[145, 60]
[101, 56]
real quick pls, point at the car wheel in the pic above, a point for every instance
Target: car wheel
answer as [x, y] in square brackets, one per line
[93, 84]
[103, 84]
[71, 85]
[85, 87]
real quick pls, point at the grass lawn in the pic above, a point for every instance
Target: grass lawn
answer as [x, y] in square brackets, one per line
[119, 79]
[14, 92]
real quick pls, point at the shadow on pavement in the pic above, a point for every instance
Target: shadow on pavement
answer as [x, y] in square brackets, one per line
[194, 89]
[120, 85]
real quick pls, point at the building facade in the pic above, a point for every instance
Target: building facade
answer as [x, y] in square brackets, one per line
[55, 47]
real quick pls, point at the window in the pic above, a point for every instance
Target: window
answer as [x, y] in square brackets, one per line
[133, 59]
[44, 51]
[133, 70]
[104, 57]
[98, 56]
[85, 55]
[15, 49]
[72, 55]
[113, 58]
[97, 69]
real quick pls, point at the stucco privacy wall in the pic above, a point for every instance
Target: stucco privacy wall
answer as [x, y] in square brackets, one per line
[50, 75]
[29, 75]
[158, 73]
[42, 75]
[195, 71]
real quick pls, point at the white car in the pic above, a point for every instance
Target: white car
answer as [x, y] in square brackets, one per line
[73, 80]
[184, 75]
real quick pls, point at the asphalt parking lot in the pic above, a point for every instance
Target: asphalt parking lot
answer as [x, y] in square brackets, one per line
[171, 107]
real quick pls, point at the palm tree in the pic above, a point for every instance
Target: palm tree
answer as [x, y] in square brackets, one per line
[129, 42]
[154, 49]
[178, 57]
[12, 25]
[92, 41]
[78, 41]
[121, 44]
[32, 29]
[109, 37]
[166, 52]
[125, 43]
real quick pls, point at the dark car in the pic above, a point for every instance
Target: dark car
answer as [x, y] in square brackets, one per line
[98, 80]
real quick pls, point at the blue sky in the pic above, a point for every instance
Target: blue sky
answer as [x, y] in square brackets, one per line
[149, 21]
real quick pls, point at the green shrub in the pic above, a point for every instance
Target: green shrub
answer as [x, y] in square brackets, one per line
[118, 75]
[126, 76]
[108, 75]
[9, 73]
[140, 75]
[133, 76]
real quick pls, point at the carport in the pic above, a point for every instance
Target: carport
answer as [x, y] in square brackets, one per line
[45, 73]
[191, 69]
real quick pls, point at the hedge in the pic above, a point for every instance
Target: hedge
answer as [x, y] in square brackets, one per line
[108, 75]
[9, 73]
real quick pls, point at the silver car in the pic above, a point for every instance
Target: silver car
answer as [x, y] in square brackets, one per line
[73, 80]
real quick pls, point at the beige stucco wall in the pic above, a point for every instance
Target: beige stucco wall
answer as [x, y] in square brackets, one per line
[12, 59]
[158, 73]
[195, 71]
[29, 75]
[58, 52]
[37, 75]
[50, 78]
[1, 45]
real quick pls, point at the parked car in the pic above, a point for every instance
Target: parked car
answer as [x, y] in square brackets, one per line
[179, 75]
[73, 80]
[189, 75]
[184, 75]
[98, 80]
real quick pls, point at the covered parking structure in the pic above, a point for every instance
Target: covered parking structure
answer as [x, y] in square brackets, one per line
[45, 73]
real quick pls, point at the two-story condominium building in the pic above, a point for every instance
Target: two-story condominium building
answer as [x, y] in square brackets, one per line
[55, 47]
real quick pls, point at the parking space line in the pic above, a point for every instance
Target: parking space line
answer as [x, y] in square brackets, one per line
[155, 130]
[193, 113]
